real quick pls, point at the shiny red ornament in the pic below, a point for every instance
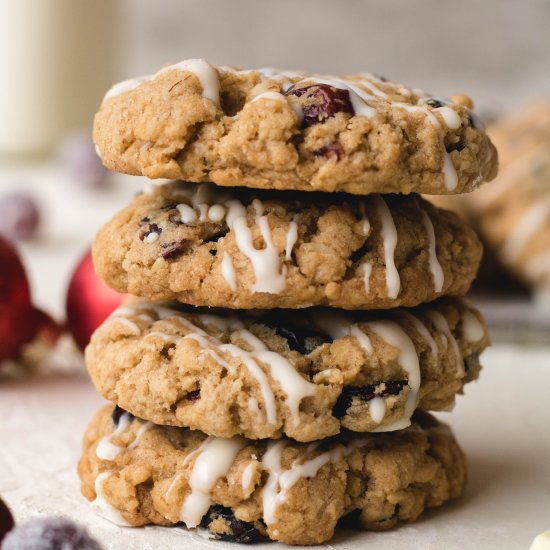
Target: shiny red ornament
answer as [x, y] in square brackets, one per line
[20, 321]
[89, 301]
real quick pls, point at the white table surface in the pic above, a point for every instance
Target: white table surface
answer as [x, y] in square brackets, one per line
[502, 422]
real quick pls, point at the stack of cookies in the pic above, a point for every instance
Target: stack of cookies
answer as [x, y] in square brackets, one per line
[290, 323]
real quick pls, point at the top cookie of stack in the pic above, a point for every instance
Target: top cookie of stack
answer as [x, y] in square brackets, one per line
[292, 130]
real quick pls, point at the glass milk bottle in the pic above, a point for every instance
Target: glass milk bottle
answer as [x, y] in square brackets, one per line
[55, 65]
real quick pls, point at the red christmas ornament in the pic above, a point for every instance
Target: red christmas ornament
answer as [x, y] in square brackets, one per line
[89, 301]
[20, 321]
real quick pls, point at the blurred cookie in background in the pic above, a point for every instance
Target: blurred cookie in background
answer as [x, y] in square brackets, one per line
[512, 213]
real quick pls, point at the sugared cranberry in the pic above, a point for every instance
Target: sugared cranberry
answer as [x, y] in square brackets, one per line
[50, 534]
[6, 520]
[19, 216]
[79, 162]
[321, 101]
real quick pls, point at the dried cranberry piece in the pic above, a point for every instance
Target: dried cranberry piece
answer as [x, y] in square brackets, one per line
[333, 149]
[193, 395]
[299, 338]
[153, 228]
[365, 393]
[173, 250]
[458, 146]
[321, 101]
[435, 103]
[240, 531]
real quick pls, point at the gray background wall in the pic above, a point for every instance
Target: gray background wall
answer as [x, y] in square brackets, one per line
[496, 50]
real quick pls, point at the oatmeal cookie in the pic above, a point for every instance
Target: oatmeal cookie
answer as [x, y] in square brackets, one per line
[290, 130]
[206, 246]
[136, 473]
[273, 373]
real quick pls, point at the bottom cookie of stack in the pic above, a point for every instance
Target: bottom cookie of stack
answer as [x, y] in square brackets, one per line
[137, 473]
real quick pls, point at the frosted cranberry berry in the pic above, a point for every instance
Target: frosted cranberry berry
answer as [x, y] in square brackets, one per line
[6, 520]
[79, 162]
[321, 101]
[19, 216]
[49, 534]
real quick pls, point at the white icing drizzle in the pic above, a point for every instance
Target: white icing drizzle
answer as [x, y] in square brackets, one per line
[450, 117]
[213, 462]
[365, 225]
[259, 375]
[472, 327]
[216, 213]
[450, 176]
[228, 271]
[295, 387]
[187, 213]
[441, 325]
[337, 324]
[265, 262]
[126, 86]
[127, 323]
[253, 405]
[203, 212]
[207, 75]
[394, 335]
[281, 481]
[525, 228]
[420, 327]
[389, 237]
[334, 322]
[102, 507]
[107, 450]
[435, 266]
[291, 238]
[151, 237]
[377, 408]
[367, 272]
[248, 475]
[362, 339]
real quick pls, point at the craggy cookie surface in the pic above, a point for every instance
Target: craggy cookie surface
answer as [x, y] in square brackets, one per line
[265, 374]
[207, 246]
[138, 473]
[291, 130]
